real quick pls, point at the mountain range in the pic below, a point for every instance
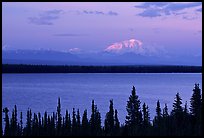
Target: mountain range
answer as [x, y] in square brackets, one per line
[128, 52]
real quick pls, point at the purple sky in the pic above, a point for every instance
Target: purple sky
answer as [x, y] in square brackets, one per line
[175, 27]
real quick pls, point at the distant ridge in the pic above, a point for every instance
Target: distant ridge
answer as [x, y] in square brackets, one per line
[131, 53]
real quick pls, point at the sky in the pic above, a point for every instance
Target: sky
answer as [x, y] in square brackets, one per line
[175, 27]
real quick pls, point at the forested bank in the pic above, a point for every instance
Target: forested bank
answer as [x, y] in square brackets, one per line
[181, 120]
[21, 68]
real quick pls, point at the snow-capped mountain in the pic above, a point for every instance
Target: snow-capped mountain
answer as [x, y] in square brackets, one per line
[125, 46]
[131, 46]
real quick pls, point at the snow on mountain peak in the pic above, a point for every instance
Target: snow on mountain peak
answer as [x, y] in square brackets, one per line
[74, 50]
[126, 46]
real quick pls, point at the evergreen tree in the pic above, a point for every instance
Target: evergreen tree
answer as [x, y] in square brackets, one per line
[177, 115]
[116, 120]
[196, 110]
[146, 118]
[59, 117]
[12, 127]
[133, 110]
[158, 119]
[35, 125]
[53, 123]
[92, 119]
[186, 125]
[74, 122]
[78, 119]
[109, 120]
[95, 120]
[49, 128]
[98, 121]
[15, 123]
[39, 123]
[158, 111]
[78, 122]
[85, 123]
[28, 122]
[45, 124]
[177, 108]
[195, 107]
[67, 123]
[165, 121]
[165, 111]
[6, 119]
[186, 115]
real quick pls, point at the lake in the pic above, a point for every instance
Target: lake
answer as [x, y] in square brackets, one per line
[40, 92]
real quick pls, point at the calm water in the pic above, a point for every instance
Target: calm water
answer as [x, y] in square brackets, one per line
[40, 91]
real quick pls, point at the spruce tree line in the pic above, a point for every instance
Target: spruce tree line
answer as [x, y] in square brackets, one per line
[180, 121]
[24, 68]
